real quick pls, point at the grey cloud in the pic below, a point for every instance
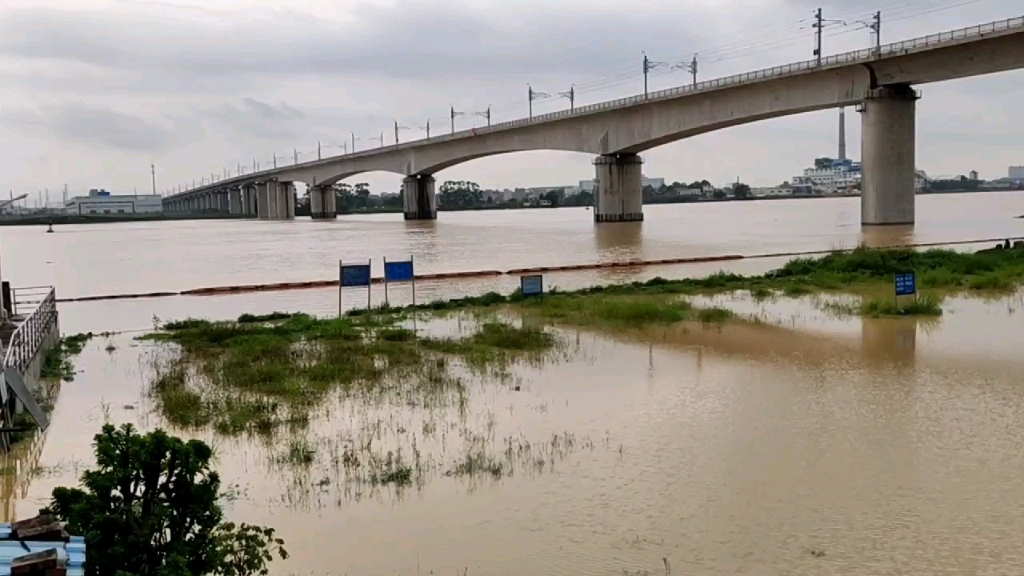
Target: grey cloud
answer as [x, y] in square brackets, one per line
[405, 40]
[97, 126]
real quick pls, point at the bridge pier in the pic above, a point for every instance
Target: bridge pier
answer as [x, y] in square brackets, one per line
[888, 155]
[263, 200]
[249, 200]
[322, 203]
[285, 201]
[235, 201]
[418, 199]
[619, 193]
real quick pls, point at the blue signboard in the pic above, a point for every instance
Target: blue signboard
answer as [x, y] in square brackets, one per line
[906, 284]
[398, 271]
[355, 275]
[531, 285]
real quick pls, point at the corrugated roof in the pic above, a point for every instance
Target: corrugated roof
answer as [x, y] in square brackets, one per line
[73, 552]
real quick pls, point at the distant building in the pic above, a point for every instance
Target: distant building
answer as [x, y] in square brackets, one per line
[1016, 172]
[784, 189]
[655, 183]
[591, 185]
[103, 202]
[831, 176]
[973, 174]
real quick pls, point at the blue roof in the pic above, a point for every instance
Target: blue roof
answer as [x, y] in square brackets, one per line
[73, 552]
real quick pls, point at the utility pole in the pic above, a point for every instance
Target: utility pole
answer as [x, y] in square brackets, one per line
[295, 154]
[690, 67]
[819, 25]
[533, 95]
[648, 66]
[318, 150]
[571, 95]
[486, 114]
[454, 114]
[275, 160]
[876, 27]
[353, 142]
[427, 128]
[65, 194]
[152, 171]
[255, 165]
[239, 168]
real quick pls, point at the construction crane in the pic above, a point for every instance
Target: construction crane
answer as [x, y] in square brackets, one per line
[6, 203]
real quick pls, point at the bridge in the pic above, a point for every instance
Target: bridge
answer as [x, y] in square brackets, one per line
[879, 81]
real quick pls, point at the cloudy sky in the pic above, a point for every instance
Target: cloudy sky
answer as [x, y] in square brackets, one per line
[92, 90]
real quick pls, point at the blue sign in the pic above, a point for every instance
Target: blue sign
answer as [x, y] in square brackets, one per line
[355, 275]
[906, 284]
[531, 285]
[398, 271]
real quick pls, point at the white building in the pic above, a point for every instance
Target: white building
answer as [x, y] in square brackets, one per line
[831, 176]
[103, 202]
[591, 185]
[1017, 172]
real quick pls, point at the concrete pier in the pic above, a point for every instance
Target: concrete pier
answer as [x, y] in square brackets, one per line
[888, 153]
[285, 201]
[263, 200]
[619, 195]
[323, 205]
[249, 200]
[418, 199]
[235, 201]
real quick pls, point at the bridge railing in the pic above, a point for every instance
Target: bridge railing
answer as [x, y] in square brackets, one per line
[40, 304]
[865, 55]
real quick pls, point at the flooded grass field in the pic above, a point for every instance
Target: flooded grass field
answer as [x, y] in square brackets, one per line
[795, 438]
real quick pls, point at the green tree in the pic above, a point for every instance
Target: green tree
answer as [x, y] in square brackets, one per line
[460, 194]
[343, 198]
[553, 196]
[150, 508]
[362, 192]
[741, 191]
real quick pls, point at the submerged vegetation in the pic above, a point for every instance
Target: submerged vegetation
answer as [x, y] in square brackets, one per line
[862, 271]
[258, 375]
[58, 360]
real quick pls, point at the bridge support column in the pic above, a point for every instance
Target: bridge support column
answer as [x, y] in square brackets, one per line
[285, 201]
[263, 200]
[888, 142]
[322, 203]
[249, 200]
[235, 201]
[619, 193]
[418, 199]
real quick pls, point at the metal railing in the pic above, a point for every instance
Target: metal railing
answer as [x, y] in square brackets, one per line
[844, 59]
[39, 305]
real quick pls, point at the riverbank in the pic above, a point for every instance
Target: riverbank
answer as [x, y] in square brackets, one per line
[59, 219]
[261, 373]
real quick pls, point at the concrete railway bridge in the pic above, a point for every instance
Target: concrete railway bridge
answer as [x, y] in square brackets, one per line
[879, 81]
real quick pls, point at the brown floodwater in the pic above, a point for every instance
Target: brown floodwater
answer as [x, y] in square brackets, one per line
[802, 443]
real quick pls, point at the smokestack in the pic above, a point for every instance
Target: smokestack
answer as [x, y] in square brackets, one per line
[842, 133]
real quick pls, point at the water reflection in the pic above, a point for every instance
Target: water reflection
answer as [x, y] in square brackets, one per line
[889, 339]
[619, 240]
[882, 236]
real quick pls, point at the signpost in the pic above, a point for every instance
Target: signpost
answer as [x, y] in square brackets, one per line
[353, 275]
[532, 285]
[905, 284]
[399, 272]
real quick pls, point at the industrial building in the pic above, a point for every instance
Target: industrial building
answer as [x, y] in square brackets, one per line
[102, 202]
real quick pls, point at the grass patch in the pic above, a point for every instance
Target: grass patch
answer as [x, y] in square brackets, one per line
[860, 271]
[58, 361]
[256, 376]
[923, 306]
